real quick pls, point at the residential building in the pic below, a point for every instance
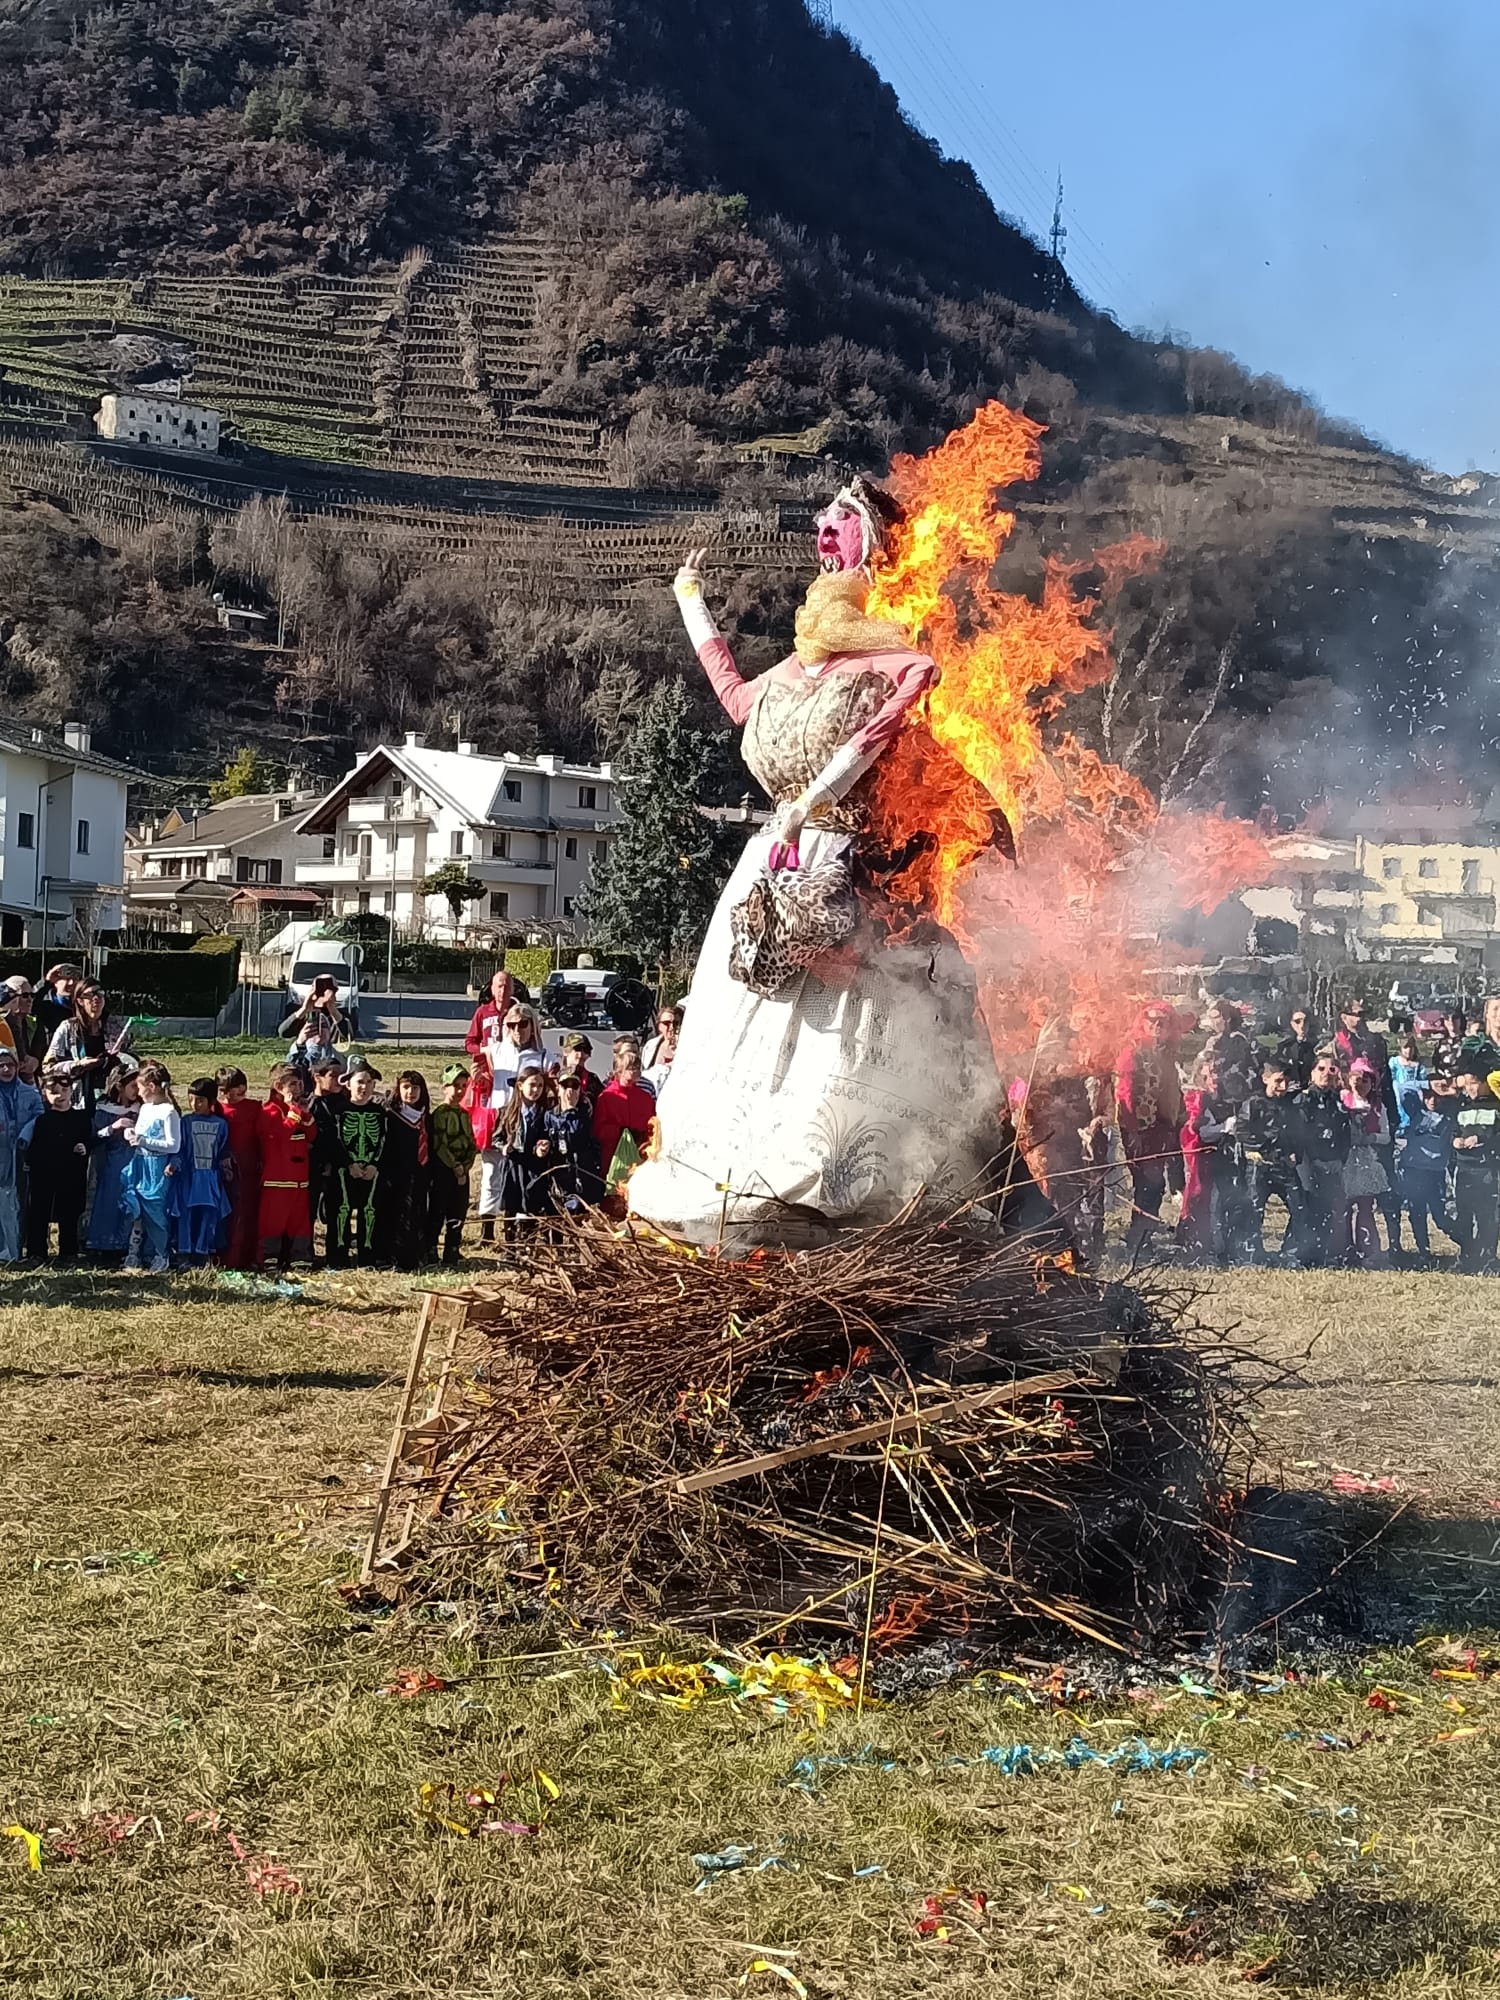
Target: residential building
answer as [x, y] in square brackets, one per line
[1407, 881]
[529, 829]
[62, 836]
[165, 422]
[231, 863]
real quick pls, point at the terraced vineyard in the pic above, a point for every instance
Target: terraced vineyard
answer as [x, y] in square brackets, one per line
[433, 366]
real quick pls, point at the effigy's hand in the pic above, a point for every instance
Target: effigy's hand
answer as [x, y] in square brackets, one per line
[688, 582]
[790, 821]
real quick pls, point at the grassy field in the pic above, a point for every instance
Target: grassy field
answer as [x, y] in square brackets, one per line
[228, 1806]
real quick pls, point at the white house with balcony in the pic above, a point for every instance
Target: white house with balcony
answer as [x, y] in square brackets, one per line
[62, 836]
[528, 828]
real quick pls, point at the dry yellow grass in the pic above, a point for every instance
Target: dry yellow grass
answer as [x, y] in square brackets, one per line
[186, 1476]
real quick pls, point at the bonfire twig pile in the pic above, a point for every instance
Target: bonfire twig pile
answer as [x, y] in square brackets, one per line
[921, 1426]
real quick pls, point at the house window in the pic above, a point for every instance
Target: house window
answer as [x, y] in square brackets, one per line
[172, 869]
[82, 841]
[588, 797]
[364, 903]
[570, 850]
[512, 790]
[499, 846]
[330, 846]
[242, 868]
[1471, 878]
[456, 844]
[568, 904]
[26, 829]
[500, 903]
[385, 903]
[1390, 868]
[196, 870]
[1427, 868]
[601, 850]
[1388, 913]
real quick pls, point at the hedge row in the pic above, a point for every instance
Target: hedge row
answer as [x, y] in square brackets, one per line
[193, 976]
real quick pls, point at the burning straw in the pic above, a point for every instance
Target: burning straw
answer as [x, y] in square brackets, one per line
[919, 1428]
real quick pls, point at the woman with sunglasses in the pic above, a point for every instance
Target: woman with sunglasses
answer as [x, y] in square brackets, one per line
[495, 1070]
[84, 1048]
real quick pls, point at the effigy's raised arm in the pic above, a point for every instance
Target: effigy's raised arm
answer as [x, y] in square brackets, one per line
[711, 647]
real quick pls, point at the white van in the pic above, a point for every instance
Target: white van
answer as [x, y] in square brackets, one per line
[338, 957]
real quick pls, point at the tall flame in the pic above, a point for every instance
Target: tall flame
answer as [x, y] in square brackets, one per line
[1060, 940]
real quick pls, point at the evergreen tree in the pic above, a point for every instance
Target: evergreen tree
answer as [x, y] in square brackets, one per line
[456, 885]
[247, 773]
[655, 891]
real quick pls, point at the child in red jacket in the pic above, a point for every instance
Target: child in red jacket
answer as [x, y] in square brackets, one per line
[286, 1130]
[625, 1105]
[242, 1239]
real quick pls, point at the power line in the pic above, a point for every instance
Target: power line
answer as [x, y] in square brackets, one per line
[1014, 177]
[1095, 262]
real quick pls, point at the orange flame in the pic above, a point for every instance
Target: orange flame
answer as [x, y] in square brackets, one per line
[1062, 942]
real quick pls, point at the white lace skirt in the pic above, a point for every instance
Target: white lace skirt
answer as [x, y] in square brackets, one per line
[835, 1100]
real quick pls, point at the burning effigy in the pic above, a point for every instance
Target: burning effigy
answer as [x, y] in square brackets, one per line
[816, 1378]
[946, 897]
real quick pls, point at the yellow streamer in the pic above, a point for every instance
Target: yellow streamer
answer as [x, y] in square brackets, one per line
[33, 1843]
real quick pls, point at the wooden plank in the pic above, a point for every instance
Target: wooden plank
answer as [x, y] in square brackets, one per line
[397, 1445]
[959, 1406]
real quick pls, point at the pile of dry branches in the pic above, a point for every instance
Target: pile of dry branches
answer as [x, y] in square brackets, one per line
[921, 1425]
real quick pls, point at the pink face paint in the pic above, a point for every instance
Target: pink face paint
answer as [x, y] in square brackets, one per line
[840, 539]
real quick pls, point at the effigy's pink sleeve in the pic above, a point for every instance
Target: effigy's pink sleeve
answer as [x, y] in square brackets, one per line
[848, 764]
[913, 680]
[735, 694]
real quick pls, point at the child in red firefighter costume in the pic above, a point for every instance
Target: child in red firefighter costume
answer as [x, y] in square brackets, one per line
[286, 1130]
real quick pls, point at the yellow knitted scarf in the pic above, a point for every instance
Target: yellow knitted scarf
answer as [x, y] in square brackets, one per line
[831, 619]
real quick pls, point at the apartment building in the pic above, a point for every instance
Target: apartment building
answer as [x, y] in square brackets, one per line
[528, 829]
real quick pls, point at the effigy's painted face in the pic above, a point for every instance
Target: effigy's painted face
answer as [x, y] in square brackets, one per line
[840, 539]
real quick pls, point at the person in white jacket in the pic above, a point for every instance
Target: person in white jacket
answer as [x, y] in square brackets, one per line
[155, 1141]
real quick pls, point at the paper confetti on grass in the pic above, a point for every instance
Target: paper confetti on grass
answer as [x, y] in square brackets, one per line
[789, 1979]
[441, 1803]
[778, 1684]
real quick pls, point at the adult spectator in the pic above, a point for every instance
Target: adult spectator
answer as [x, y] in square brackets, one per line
[320, 1010]
[658, 1054]
[1325, 1127]
[84, 1048]
[28, 1037]
[489, 1015]
[1298, 1049]
[53, 1003]
[1148, 1103]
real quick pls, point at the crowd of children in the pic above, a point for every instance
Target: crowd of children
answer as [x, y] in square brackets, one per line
[332, 1162]
[1346, 1139]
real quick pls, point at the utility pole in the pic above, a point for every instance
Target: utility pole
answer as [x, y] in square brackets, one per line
[1058, 240]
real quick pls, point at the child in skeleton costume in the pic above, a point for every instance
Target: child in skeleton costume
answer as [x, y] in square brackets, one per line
[824, 1072]
[361, 1135]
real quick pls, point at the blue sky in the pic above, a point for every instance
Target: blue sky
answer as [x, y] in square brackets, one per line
[1310, 186]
